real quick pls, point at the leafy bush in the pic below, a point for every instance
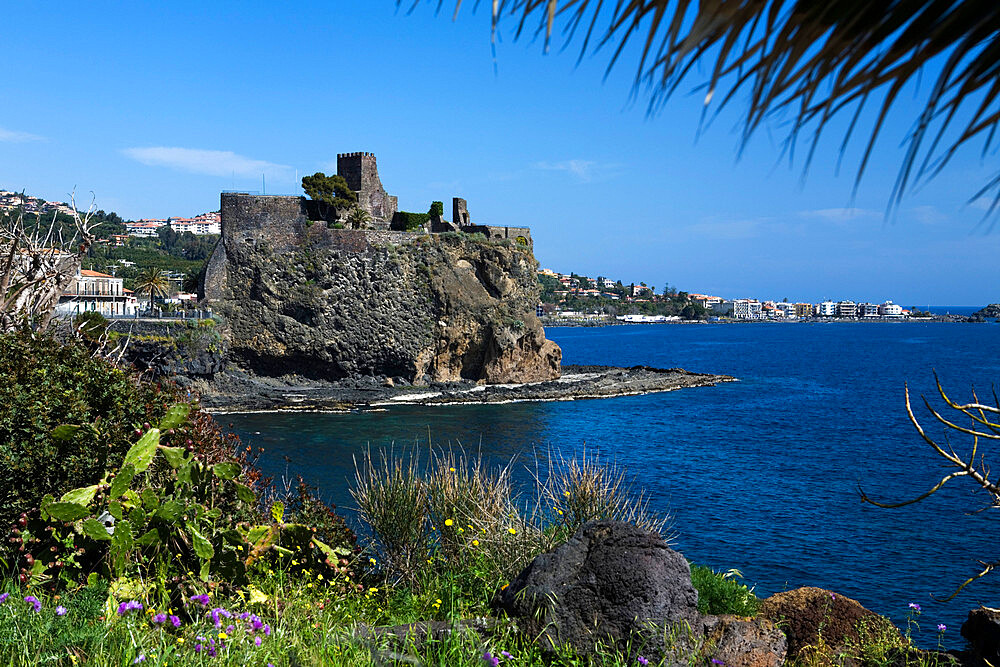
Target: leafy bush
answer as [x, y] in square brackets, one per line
[437, 208]
[722, 593]
[165, 514]
[44, 384]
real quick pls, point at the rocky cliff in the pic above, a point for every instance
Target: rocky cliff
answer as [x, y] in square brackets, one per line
[299, 297]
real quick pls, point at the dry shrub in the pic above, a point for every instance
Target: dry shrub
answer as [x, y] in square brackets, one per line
[585, 488]
[392, 500]
[478, 516]
[461, 514]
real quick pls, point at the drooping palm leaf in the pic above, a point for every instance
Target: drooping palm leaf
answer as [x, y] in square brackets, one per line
[812, 59]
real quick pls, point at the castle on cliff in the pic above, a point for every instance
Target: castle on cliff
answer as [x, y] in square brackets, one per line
[360, 171]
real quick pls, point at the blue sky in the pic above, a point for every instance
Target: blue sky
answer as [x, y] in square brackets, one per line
[157, 107]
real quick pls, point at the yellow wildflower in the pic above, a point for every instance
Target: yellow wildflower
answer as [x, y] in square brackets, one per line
[475, 543]
[223, 635]
[451, 469]
[512, 531]
[449, 522]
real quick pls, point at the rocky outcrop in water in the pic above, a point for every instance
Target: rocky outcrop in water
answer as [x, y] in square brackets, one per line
[992, 310]
[301, 297]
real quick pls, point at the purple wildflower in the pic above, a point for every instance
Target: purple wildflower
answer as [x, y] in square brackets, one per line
[131, 605]
[203, 599]
[244, 616]
[257, 641]
[175, 621]
[267, 630]
[3, 598]
[229, 629]
[255, 623]
[141, 658]
[506, 655]
[198, 648]
[915, 606]
[159, 619]
[490, 660]
[34, 602]
[716, 661]
[61, 610]
[942, 627]
[217, 613]
[643, 661]
[212, 652]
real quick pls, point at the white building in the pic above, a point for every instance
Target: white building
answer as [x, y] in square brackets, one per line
[867, 310]
[747, 309]
[788, 309]
[199, 225]
[826, 309]
[890, 309]
[97, 292]
[847, 309]
[145, 228]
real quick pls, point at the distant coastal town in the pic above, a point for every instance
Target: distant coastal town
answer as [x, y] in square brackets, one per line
[178, 246]
[578, 298]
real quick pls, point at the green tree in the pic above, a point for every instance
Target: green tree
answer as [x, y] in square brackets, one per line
[358, 218]
[437, 208]
[153, 283]
[331, 190]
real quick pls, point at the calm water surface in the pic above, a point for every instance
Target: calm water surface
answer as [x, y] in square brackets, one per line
[761, 474]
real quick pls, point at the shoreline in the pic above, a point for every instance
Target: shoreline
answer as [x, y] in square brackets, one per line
[961, 319]
[249, 394]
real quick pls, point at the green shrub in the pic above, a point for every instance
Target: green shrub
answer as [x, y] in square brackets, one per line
[410, 222]
[722, 593]
[44, 384]
[437, 208]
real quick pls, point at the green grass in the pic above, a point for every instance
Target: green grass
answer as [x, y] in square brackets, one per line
[723, 592]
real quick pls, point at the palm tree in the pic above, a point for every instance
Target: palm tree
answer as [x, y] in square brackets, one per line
[811, 59]
[358, 218]
[152, 282]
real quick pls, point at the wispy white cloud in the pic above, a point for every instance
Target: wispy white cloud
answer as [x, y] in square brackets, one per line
[18, 137]
[928, 215]
[841, 214]
[583, 170]
[207, 162]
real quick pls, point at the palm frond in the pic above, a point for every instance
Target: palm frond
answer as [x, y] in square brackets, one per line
[810, 59]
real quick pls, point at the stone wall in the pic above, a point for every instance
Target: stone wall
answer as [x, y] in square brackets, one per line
[519, 235]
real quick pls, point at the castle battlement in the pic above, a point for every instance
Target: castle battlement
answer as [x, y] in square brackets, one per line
[244, 212]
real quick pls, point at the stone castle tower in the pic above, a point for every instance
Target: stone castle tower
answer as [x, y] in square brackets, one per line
[361, 174]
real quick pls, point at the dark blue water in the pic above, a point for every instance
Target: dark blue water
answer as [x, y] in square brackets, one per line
[762, 474]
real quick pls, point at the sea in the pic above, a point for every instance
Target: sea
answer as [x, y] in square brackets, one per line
[764, 475]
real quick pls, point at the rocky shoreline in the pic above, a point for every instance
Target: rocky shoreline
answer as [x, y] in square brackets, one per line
[238, 391]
